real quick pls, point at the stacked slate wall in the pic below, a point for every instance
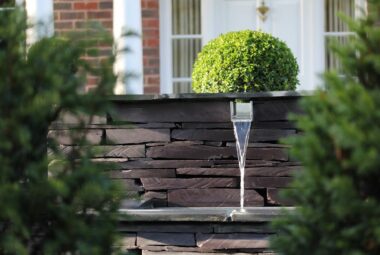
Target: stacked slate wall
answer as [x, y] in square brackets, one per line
[172, 152]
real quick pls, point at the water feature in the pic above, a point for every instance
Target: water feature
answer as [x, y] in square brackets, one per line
[241, 117]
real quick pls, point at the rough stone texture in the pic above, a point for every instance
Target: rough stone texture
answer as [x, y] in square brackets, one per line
[129, 151]
[193, 183]
[178, 239]
[129, 185]
[256, 171]
[211, 152]
[93, 136]
[227, 125]
[275, 110]
[199, 252]
[232, 241]
[167, 227]
[147, 111]
[267, 182]
[256, 135]
[262, 228]
[212, 198]
[128, 136]
[128, 240]
[275, 198]
[142, 173]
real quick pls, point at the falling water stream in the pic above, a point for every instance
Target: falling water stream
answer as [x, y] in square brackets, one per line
[241, 131]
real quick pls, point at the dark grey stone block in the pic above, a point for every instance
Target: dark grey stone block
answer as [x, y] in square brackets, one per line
[256, 135]
[130, 136]
[93, 136]
[141, 173]
[212, 197]
[178, 239]
[267, 182]
[172, 111]
[275, 198]
[211, 152]
[167, 227]
[256, 171]
[193, 183]
[232, 241]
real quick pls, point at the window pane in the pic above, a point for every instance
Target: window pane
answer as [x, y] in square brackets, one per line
[332, 62]
[182, 87]
[184, 53]
[186, 17]
[333, 7]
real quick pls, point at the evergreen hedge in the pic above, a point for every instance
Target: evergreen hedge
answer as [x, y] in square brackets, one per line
[338, 193]
[245, 61]
[51, 201]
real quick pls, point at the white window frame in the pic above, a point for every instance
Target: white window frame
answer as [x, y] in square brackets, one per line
[166, 54]
[360, 6]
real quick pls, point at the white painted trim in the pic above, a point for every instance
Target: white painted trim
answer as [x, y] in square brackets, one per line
[127, 15]
[40, 15]
[186, 36]
[166, 82]
[181, 79]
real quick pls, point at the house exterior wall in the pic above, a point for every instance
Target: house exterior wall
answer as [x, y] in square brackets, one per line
[71, 15]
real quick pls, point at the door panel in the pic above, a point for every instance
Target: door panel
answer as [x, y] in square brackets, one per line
[293, 21]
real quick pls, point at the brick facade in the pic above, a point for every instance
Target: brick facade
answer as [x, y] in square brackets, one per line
[71, 15]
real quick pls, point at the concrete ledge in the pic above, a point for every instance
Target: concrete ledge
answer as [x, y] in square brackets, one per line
[204, 214]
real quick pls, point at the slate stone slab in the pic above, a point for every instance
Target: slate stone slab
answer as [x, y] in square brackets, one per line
[212, 198]
[260, 145]
[211, 152]
[262, 228]
[275, 198]
[153, 199]
[267, 182]
[130, 136]
[141, 173]
[178, 239]
[274, 124]
[172, 111]
[256, 135]
[232, 241]
[130, 151]
[255, 171]
[208, 125]
[128, 240]
[126, 151]
[275, 110]
[180, 251]
[129, 185]
[167, 227]
[193, 183]
[93, 136]
[66, 118]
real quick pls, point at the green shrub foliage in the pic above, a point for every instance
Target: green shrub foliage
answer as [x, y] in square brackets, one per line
[338, 192]
[245, 61]
[51, 201]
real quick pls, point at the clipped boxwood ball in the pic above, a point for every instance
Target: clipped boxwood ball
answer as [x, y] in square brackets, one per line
[245, 61]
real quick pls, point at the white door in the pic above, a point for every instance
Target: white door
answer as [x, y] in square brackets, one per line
[293, 21]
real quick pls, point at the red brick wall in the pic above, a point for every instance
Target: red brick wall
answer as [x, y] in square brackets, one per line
[72, 14]
[151, 45]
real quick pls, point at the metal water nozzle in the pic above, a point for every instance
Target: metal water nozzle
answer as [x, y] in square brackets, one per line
[241, 110]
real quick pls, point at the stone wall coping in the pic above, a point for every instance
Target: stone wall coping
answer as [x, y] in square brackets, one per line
[204, 214]
[212, 96]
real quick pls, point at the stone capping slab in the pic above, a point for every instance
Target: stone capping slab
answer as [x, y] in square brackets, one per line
[203, 214]
[211, 96]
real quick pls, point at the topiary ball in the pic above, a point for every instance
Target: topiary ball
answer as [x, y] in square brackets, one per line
[245, 61]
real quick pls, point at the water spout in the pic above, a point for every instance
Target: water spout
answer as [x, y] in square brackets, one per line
[241, 117]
